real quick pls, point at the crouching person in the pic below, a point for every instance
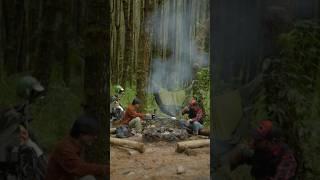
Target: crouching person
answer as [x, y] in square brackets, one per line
[195, 114]
[132, 118]
[268, 155]
[66, 163]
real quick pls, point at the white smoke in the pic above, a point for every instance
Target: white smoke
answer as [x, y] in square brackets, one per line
[166, 73]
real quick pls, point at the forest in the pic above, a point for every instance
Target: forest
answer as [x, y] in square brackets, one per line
[81, 49]
[160, 54]
[157, 43]
[65, 45]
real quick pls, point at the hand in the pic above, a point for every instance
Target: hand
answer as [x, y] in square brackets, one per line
[190, 121]
[23, 135]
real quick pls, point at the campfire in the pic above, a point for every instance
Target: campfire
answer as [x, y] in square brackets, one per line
[155, 134]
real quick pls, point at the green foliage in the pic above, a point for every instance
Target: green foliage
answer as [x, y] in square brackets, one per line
[203, 80]
[292, 84]
[8, 92]
[201, 89]
[130, 94]
[54, 115]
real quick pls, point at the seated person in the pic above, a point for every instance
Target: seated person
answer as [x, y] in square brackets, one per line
[195, 114]
[268, 155]
[116, 109]
[132, 117]
[66, 163]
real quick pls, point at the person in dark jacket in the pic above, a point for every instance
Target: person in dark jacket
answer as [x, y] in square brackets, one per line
[195, 114]
[66, 162]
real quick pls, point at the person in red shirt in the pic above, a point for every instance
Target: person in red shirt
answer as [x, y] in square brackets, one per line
[66, 162]
[195, 114]
[132, 117]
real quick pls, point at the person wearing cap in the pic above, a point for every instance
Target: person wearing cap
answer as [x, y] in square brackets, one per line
[66, 162]
[195, 115]
[116, 109]
[118, 93]
[132, 118]
[269, 157]
[15, 132]
[29, 88]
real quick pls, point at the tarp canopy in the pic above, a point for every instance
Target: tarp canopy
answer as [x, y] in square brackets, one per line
[170, 102]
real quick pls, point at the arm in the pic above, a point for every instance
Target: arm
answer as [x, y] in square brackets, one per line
[239, 155]
[72, 163]
[133, 113]
[199, 115]
[185, 110]
[235, 157]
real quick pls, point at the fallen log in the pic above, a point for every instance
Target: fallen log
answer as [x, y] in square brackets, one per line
[182, 146]
[113, 130]
[128, 150]
[204, 132]
[127, 143]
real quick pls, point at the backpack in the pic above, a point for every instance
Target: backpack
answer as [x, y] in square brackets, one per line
[123, 131]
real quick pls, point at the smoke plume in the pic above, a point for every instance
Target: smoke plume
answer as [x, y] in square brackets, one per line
[183, 51]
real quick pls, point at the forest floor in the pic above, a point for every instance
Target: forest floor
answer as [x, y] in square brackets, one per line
[159, 161]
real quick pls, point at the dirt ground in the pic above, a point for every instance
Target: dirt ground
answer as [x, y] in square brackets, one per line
[160, 161]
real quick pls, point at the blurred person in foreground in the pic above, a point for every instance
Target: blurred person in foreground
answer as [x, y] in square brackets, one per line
[66, 161]
[268, 155]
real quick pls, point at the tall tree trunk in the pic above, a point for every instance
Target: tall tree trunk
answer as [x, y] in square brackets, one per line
[2, 40]
[118, 43]
[112, 62]
[128, 55]
[130, 70]
[63, 39]
[33, 27]
[13, 22]
[97, 56]
[144, 53]
[45, 54]
[21, 41]
[26, 41]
